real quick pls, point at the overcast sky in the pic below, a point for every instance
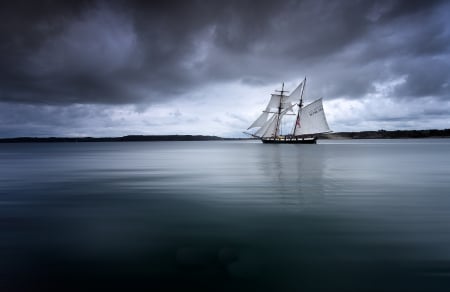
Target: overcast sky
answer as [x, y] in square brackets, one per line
[112, 68]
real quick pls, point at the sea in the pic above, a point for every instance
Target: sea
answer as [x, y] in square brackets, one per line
[342, 215]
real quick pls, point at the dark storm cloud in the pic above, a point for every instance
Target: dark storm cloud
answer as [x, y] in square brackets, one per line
[23, 119]
[126, 52]
[426, 78]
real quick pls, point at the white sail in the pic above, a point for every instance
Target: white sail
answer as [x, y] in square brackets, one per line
[264, 128]
[260, 121]
[275, 100]
[269, 128]
[288, 107]
[312, 119]
[295, 95]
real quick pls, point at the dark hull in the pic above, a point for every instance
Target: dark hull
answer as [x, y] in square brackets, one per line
[291, 141]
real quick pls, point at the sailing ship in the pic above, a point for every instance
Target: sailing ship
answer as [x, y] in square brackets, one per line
[309, 120]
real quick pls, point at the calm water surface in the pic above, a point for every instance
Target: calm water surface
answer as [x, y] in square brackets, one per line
[366, 215]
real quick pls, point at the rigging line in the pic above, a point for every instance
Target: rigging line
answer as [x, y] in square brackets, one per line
[300, 105]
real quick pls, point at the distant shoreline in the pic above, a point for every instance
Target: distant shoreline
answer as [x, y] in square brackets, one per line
[381, 134]
[129, 138]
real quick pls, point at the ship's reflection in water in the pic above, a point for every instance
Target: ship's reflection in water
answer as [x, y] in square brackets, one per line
[227, 216]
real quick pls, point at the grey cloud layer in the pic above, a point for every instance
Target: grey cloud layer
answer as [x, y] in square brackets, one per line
[131, 52]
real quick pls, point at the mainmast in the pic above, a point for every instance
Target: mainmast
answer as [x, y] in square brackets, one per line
[300, 105]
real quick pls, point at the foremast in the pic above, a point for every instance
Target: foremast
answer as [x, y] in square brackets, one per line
[280, 107]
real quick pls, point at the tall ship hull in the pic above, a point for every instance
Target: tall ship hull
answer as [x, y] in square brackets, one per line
[309, 121]
[296, 140]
